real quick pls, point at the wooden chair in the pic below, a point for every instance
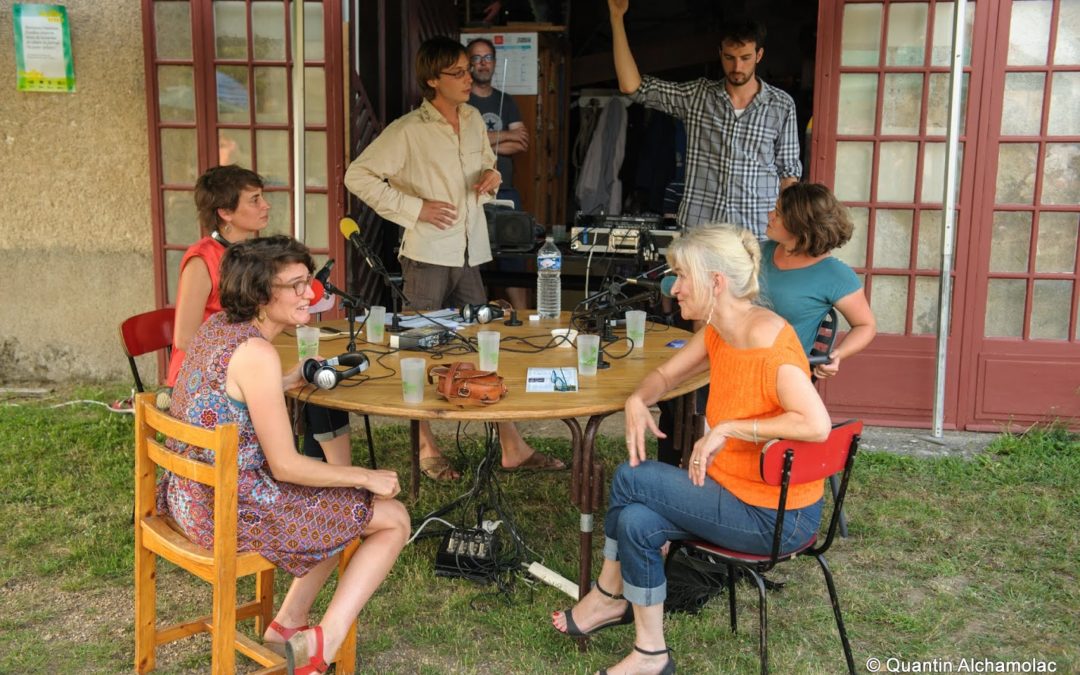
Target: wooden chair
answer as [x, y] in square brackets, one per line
[785, 463]
[157, 536]
[145, 333]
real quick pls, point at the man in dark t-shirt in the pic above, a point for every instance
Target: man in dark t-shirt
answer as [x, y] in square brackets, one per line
[506, 132]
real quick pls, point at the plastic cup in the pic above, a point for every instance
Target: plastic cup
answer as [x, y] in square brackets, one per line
[635, 328]
[376, 323]
[588, 353]
[488, 341]
[307, 342]
[412, 379]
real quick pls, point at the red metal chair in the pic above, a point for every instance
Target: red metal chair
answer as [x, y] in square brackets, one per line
[785, 463]
[145, 333]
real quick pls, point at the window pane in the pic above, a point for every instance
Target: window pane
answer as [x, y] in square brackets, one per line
[280, 214]
[1016, 173]
[861, 42]
[901, 103]
[892, 238]
[268, 30]
[314, 96]
[172, 273]
[1005, 308]
[1061, 174]
[230, 29]
[179, 157]
[176, 94]
[858, 103]
[1056, 250]
[315, 159]
[314, 49]
[929, 254]
[1021, 113]
[1029, 32]
[234, 147]
[1065, 105]
[1050, 301]
[933, 176]
[273, 148]
[317, 220]
[1010, 241]
[924, 321]
[172, 30]
[181, 218]
[896, 172]
[854, 252]
[941, 51]
[1067, 51]
[232, 95]
[889, 302]
[937, 104]
[853, 164]
[906, 41]
[271, 96]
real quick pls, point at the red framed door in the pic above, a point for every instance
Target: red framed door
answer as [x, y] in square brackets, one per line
[880, 117]
[1022, 358]
[219, 91]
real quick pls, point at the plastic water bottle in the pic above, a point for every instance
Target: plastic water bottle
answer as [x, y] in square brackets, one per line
[548, 281]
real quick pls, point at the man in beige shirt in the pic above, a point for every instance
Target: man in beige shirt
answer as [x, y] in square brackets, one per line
[430, 171]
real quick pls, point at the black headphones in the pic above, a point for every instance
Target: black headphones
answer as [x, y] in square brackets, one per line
[488, 312]
[325, 376]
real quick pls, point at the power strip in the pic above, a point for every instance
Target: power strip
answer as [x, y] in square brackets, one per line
[470, 554]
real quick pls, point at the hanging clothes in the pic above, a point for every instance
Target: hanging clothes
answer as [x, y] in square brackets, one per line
[598, 188]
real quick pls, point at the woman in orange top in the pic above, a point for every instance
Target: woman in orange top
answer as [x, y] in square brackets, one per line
[759, 389]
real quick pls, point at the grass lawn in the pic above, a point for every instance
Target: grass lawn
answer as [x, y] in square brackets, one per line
[947, 559]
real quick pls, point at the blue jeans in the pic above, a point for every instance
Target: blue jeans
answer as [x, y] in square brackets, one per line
[656, 502]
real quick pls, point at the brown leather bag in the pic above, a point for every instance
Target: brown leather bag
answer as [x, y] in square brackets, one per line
[461, 383]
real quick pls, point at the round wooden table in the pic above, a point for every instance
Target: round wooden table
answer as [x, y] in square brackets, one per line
[597, 397]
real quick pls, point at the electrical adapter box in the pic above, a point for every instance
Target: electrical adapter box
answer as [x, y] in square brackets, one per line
[416, 339]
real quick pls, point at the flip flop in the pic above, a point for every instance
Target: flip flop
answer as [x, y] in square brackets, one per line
[537, 461]
[438, 469]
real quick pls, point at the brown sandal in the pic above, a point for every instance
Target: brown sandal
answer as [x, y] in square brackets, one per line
[438, 468]
[538, 461]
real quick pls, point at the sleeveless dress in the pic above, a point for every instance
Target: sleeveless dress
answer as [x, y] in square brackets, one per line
[293, 526]
[211, 251]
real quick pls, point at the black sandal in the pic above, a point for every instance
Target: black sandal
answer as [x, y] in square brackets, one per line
[669, 667]
[573, 631]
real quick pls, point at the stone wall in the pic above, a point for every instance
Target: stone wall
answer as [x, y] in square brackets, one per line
[75, 227]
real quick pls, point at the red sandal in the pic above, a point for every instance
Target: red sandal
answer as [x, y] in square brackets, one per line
[279, 647]
[297, 659]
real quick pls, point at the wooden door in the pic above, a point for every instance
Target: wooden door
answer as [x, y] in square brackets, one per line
[1021, 362]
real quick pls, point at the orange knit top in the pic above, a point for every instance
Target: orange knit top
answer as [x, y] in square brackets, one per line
[742, 385]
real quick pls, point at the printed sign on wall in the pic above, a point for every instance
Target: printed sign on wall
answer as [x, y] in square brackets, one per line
[43, 48]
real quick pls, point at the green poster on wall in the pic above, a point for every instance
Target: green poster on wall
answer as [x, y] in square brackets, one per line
[43, 48]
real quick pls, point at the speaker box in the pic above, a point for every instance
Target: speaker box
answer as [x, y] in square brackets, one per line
[510, 230]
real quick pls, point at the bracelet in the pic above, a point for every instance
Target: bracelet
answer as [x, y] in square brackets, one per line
[755, 431]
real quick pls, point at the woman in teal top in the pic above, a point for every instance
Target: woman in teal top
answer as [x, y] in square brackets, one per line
[802, 281]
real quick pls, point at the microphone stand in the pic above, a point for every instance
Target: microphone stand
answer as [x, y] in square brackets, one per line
[351, 303]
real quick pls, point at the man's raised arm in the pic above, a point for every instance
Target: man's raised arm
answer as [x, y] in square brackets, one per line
[625, 67]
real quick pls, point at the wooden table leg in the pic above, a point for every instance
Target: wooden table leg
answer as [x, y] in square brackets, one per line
[586, 489]
[414, 446]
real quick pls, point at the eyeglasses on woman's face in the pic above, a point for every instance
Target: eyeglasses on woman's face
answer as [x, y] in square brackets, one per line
[300, 286]
[456, 73]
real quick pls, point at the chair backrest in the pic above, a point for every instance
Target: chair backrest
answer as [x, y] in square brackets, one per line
[787, 463]
[150, 452]
[826, 337]
[145, 333]
[811, 461]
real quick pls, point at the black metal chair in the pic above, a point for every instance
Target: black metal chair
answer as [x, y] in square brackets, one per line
[785, 463]
[819, 355]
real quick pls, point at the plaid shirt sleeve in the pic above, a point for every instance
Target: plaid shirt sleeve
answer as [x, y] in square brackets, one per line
[674, 98]
[788, 161]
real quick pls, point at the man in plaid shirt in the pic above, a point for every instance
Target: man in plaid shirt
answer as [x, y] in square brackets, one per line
[742, 137]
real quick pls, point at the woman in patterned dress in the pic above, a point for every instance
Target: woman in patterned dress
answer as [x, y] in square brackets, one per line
[297, 512]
